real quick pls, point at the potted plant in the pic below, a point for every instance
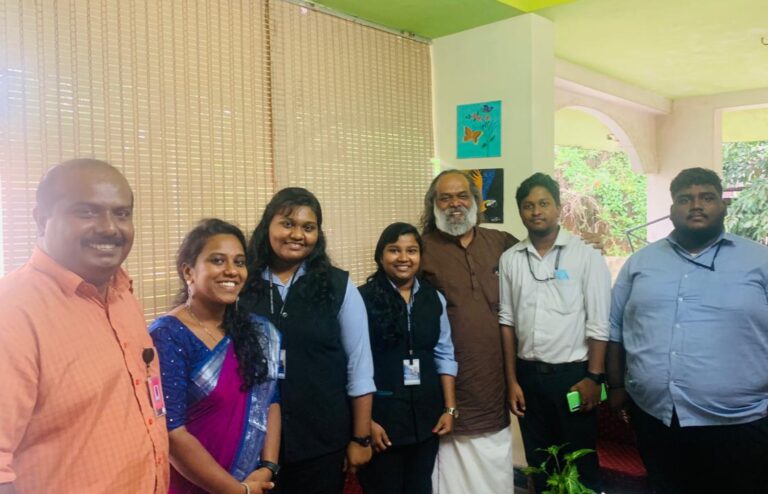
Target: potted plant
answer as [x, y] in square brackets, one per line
[561, 478]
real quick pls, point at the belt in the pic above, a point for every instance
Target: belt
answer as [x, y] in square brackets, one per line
[545, 368]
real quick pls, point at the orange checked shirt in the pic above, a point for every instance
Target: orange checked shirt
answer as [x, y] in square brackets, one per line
[75, 413]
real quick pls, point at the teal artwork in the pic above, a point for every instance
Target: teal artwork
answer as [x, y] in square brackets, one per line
[478, 130]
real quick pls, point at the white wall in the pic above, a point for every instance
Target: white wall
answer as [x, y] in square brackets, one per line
[691, 136]
[511, 61]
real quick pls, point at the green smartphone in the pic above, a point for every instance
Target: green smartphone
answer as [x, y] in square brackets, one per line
[574, 399]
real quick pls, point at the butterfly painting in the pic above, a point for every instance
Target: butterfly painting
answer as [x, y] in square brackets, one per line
[478, 128]
[472, 135]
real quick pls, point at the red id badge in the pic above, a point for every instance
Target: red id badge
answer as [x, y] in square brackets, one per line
[155, 388]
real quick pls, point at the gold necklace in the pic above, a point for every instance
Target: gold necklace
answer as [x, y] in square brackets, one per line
[199, 323]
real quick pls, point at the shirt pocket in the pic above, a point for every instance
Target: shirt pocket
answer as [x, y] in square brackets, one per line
[565, 296]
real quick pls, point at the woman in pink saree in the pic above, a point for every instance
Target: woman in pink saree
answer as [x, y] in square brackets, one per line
[219, 371]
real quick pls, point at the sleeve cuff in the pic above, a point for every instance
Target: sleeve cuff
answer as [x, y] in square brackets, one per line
[447, 367]
[360, 388]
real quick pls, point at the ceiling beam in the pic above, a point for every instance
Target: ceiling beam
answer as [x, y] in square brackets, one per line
[585, 81]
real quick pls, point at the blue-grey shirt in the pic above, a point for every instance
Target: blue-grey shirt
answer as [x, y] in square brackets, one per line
[353, 320]
[696, 339]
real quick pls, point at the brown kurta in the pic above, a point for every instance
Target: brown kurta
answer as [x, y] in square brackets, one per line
[469, 279]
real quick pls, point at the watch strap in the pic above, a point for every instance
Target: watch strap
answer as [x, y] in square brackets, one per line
[272, 467]
[363, 441]
[598, 378]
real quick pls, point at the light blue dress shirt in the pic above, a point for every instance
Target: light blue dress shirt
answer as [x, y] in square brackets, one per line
[353, 321]
[696, 338]
[444, 354]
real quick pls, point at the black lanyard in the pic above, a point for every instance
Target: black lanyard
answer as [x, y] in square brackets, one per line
[283, 313]
[408, 308]
[557, 264]
[711, 267]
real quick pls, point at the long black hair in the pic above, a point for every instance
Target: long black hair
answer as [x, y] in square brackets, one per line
[386, 306]
[261, 255]
[248, 344]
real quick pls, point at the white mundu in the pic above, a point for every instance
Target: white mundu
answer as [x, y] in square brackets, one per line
[479, 463]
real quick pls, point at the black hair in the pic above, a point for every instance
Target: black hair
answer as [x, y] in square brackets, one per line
[386, 306]
[261, 256]
[695, 176]
[537, 180]
[249, 345]
[428, 223]
[50, 191]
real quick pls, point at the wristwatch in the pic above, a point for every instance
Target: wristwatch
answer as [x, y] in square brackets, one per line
[362, 441]
[272, 467]
[598, 378]
[453, 412]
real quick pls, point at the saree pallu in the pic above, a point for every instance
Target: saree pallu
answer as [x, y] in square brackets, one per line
[231, 424]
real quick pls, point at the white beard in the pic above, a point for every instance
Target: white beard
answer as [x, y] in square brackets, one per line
[456, 227]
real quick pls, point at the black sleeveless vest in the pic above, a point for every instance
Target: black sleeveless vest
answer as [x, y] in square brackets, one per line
[316, 416]
[407, 413]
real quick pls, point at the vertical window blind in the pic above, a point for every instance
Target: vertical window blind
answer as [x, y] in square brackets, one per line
[208, 107]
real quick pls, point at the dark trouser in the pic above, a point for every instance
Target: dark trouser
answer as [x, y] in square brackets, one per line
[718, 458]
[321, 475]
[548, 421]
[401, 469]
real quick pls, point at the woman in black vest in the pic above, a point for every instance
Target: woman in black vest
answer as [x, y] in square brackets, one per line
[326, 375]
[414, 367]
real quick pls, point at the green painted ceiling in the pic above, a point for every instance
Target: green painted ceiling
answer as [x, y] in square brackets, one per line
[676, 48]
[426, 18]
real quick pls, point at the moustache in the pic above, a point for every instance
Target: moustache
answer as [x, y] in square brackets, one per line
[118, 241]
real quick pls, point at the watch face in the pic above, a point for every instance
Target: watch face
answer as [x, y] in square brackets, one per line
[363, 441]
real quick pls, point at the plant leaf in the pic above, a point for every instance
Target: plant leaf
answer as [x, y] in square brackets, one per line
[575, 455]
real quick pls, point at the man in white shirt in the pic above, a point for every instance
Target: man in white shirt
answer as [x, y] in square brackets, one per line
[555, 295]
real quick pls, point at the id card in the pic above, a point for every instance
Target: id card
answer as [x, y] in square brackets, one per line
[562, 274]
[155, 388]
[411, 372]
[281, 365]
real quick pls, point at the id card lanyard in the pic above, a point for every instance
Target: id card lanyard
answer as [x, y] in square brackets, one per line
[410, 329]
[283, 312]
[154, 384]
[282, 366]
[411, 366]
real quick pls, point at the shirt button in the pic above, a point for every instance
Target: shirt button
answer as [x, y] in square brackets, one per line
[677, 325]
[150, 421]
[680, 299]
[685, 276]
[125, 345]
[137, 381]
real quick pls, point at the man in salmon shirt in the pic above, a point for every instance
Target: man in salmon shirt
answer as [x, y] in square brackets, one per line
[82, 410]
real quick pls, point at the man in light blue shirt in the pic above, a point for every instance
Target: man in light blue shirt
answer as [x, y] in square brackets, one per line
[689, 324]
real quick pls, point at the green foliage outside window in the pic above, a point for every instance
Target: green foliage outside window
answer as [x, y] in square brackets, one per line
[601, 193]
[745, 164]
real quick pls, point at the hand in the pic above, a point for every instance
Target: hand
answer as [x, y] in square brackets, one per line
[379, 439]
[260, 481]
[593, 239]
[516, 399]
[617, 399]
[444, 425]
[589, 391]
[357, 456]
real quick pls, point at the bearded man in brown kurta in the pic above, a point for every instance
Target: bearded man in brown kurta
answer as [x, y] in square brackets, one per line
[461, 260]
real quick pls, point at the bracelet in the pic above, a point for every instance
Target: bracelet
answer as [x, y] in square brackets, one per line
[247, 487]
